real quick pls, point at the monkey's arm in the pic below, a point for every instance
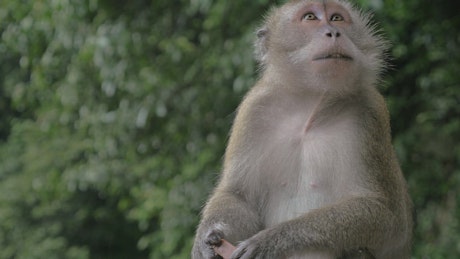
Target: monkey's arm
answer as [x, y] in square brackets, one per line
[225, 216]
[356, 223]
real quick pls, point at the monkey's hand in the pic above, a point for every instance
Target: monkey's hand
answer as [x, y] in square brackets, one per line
[204, 246]
[260, 246]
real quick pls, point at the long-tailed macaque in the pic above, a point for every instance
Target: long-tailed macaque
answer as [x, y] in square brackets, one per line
[309, 170]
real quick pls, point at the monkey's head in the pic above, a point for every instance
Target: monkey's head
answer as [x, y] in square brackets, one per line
[318, 43]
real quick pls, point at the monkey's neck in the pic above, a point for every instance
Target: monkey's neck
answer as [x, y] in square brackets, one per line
[314, 113]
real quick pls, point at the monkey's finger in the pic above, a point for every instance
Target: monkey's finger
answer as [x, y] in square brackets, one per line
[225, 249]
[214, 237]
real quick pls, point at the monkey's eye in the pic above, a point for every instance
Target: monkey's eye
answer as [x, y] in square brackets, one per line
[336, 18]
[309, 16]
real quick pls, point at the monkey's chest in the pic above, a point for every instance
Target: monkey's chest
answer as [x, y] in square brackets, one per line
[309, 169]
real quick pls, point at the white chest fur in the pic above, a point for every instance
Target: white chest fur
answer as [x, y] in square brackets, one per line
[305, 167]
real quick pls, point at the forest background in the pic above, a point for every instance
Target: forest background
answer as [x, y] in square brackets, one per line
[114, 117]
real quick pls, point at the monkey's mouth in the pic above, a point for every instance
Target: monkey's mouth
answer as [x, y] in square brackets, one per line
[333, 56]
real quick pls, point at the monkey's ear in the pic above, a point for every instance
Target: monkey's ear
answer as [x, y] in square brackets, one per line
[261, 44]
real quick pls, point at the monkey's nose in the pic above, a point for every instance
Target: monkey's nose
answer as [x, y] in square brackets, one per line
[333, 34]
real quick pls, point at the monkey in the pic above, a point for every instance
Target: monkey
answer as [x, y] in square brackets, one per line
[309, 170]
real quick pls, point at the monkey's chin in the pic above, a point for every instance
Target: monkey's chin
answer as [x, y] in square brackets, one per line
[333, 67]
[334, 74]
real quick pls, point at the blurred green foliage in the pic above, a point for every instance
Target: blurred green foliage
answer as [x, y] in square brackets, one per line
[115, 115]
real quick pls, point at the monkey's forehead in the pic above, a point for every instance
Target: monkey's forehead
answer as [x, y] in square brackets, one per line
[293, 5]
[290, 9]
[293, 2]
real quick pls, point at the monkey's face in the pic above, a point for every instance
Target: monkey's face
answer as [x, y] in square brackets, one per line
[323, 42]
